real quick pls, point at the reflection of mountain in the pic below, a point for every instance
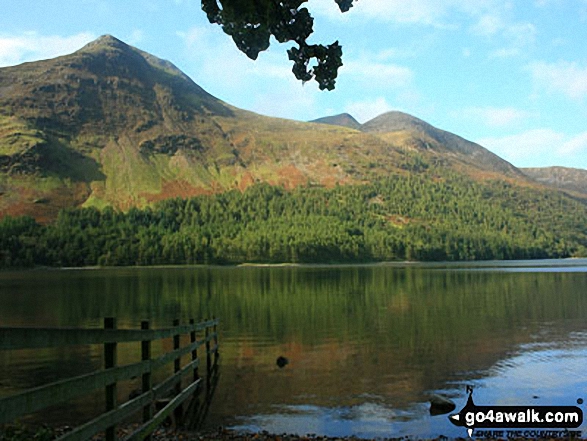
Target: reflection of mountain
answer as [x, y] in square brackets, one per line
[392, 333]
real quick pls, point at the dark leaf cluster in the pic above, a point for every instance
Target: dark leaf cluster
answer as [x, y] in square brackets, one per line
[251, 24]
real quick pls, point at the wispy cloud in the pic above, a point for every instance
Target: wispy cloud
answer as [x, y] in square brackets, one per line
[515, 37]
[488, 25]
[564, 77]
[289, 102]
[498, 117]
[137, 36]
[218, 60]
[539, 147]
[32, 46]
[422, 12]
[218, 64]
[426, 12]
[365, 110]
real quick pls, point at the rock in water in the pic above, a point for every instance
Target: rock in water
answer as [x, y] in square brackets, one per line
[440, 405]
[282, 361]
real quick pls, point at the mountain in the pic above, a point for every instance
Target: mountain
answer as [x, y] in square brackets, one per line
[564, 178]
[111, 125]
[87, 127]
[343, 120]
[407, 131]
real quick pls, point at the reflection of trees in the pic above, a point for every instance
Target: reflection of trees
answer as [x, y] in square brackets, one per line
[380, 330]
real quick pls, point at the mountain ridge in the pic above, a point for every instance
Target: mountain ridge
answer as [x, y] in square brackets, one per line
[426, 137]
[113, 125]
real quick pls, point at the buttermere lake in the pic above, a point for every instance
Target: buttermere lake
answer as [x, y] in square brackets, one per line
[367, 345]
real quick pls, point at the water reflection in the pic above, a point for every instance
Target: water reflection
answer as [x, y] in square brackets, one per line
[366, 344]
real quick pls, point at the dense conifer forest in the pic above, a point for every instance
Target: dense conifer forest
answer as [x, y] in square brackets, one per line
[433, 216]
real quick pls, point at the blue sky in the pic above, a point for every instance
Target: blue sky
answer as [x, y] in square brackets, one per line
[510, 75]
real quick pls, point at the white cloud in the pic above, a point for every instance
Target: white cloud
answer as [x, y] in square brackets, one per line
[516, 36]
[521, 34]
[496, 116]
[488, 25]
[567, 78]
[32, 46]
[491, 19]
[539, 147]
[288, 102]
[365, 110]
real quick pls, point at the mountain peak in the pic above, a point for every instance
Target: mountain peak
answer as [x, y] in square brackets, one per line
[108, 39]
[105, 41]
[428, 137]
[394, 121]
[342, 119]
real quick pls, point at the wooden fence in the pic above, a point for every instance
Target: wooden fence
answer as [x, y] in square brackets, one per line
[34, 400]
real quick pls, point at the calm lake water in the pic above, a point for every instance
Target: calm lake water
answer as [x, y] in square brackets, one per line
[367, 345]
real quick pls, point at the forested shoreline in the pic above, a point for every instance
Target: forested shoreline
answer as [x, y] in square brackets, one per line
[402, 217]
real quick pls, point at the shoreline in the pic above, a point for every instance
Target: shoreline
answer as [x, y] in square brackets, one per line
[522, 263]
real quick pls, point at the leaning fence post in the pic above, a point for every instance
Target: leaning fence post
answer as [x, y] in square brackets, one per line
[195, 351]
[147, 379]
[110, 362]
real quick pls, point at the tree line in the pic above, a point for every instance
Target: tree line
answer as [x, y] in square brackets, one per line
[429, 217]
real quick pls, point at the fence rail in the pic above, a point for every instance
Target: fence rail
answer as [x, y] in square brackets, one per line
[34, 400]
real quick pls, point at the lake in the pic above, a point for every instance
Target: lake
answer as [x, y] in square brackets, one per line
[367, 345]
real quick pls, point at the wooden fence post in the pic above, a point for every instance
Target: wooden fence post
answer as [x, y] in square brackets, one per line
[195, 351]
[215, 329]
[177, 361]
[208, 361]
[147, 379]
[34, 400]
[176, 369]
[110, 362]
